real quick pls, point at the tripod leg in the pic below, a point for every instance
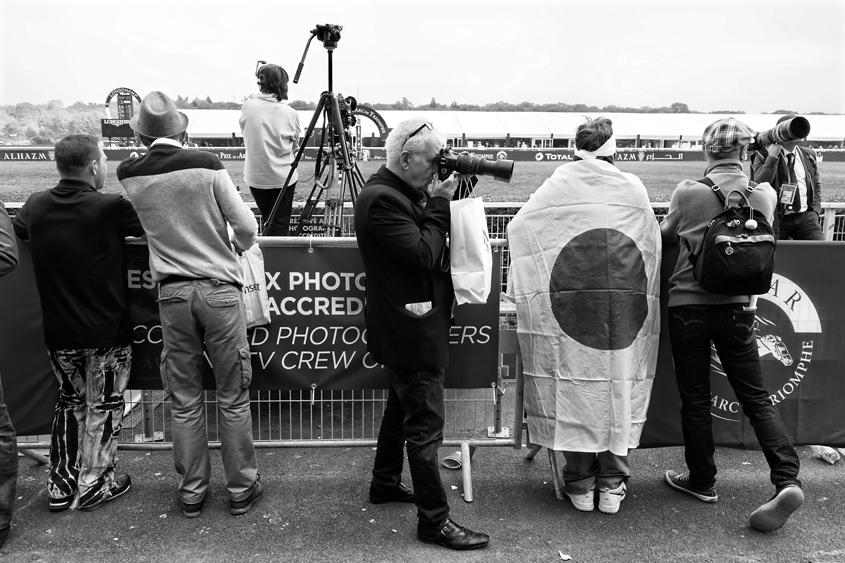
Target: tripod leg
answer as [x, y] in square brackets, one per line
[311, 202]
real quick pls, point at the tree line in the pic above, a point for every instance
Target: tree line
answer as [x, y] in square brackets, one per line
[43, 124]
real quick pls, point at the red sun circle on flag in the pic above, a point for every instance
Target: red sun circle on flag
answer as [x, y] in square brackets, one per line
[598, 289]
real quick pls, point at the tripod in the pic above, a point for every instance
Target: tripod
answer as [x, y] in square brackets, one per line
[336, 171]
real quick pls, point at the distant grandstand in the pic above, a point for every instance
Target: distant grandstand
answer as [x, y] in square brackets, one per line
[542, 130]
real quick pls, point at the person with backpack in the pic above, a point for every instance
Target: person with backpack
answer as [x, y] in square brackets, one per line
[699, 318]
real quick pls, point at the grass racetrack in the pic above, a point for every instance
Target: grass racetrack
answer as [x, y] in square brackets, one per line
[20, 179]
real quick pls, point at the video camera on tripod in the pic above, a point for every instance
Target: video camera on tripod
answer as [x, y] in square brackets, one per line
[336, 171]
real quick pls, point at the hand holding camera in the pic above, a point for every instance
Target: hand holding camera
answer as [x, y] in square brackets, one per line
[445, 187]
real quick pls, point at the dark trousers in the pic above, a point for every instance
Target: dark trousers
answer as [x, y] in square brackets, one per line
[799, 226]
[8, 465]
[265, 199]
[415, 414]
[692, 328]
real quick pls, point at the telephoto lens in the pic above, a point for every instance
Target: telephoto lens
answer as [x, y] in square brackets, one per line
[788, 130]
[465, 163]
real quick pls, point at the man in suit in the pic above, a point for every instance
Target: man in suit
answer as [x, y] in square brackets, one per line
[798, 186]
[402, 217]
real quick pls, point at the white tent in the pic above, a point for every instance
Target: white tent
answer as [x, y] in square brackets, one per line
[218, 124]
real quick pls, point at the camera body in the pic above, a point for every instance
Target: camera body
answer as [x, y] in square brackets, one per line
[329, 34]
[465, 163]
[346, 106]
[787, 130]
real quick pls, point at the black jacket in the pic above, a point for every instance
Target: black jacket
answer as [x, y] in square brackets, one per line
[773, 170]
[402, 238]
[76, 235]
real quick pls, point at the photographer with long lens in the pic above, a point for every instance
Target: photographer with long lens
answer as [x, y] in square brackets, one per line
[271, 135]
[794, 173]
[402, 218]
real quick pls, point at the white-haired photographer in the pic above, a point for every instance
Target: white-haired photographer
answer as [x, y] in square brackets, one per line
[402, 219]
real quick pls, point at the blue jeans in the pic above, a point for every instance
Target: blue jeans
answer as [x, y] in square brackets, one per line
[209, 312]
[87, 420]
[604, 470]
[731, 330]
[415, 413]
[8, 464]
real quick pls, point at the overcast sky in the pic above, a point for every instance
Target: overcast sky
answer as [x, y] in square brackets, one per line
[749, 55]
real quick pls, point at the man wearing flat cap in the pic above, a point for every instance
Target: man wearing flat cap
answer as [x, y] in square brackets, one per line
[793, 172]
[186, 202]
[698, 319]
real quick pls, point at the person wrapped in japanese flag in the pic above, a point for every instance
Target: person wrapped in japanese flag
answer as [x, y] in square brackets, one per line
[585, 274]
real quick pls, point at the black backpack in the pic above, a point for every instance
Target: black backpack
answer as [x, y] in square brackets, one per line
[737, 255]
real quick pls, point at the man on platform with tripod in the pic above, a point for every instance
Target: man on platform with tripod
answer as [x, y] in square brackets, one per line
[402, 218]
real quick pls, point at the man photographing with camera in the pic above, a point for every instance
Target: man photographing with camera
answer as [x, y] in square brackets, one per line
[793, 172]
[402, 217]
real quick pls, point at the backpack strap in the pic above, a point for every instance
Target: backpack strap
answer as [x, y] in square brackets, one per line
[708, 182]
[712, 185]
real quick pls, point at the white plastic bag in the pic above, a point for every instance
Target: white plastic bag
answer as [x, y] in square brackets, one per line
[254, 292]
[471, 257]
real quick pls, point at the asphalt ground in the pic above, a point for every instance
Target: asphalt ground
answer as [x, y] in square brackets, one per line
[315, 508]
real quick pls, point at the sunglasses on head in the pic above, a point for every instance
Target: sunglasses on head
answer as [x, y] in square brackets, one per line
[425, 125]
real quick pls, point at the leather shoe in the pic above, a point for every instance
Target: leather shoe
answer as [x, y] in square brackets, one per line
[399, 493]
[454, 536]
[238, 507]
[192, 509]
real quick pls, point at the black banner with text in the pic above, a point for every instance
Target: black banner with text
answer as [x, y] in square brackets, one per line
[317, 337]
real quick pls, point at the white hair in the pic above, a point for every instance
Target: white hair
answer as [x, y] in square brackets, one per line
[399, 137]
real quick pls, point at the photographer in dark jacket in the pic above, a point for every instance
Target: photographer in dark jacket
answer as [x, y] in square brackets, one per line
[8, 437]
[401, 221]
[799, 188]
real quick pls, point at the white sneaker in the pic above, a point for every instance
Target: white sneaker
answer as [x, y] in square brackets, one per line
[610, 500]
[585, 502]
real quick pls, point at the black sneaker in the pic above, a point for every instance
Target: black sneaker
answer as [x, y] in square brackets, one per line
[238, 507]
[681, 482]
[61, 503]
[774, 514]
[122, 484]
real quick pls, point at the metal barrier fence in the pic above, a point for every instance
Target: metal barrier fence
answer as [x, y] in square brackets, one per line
[300, 418]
